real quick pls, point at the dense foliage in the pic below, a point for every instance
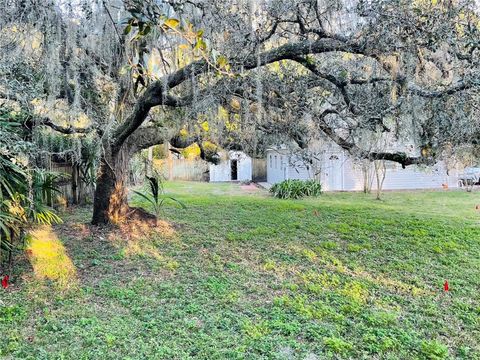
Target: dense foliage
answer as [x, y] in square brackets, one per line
[296, 189]
[25, 192]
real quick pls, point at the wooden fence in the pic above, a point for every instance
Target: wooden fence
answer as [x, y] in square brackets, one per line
[73, 190]
[182, 169]
[198, 170]
[259, 170]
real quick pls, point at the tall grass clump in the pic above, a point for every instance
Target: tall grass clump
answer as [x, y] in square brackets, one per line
[296, 189]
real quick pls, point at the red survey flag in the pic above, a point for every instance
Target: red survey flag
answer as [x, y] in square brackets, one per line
[5, 281]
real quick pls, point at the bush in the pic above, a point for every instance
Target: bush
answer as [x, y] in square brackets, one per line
[296, 189]
[25, 192]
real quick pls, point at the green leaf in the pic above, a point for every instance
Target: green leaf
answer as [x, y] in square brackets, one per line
[182, 205]
[124, 69]
[150, 200]
[127, 30]
[146, 30]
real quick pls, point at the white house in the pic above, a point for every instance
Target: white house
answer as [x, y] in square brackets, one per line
[338, 171]
[234, 166]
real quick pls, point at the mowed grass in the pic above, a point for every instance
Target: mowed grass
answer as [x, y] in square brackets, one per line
[239, 274]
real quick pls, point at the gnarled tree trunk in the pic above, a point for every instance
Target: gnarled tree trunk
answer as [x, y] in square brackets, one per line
[110, 199]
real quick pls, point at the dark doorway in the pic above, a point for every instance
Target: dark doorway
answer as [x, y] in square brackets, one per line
[234, 168]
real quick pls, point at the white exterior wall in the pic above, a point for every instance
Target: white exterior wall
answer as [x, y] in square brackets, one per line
[220, 172]
[414, 177]
[396, 178]
[298, 170]
[353, 176]
[244, 165]
[223, 171]
[339, 172]
[332, 175]
[277, 166]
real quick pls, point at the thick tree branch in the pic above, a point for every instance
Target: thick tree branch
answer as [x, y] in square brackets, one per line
[410, 86]
[45, 121]
[157, 93]
[457, 87]
[33, 121]
[355, 150]
[146, 137]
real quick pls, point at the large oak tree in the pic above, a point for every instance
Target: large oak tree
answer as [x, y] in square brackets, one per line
[145, 72]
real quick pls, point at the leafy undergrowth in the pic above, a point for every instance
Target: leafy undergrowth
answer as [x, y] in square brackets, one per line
[242, 275]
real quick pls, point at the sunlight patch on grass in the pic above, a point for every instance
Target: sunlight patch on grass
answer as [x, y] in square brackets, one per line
[49, 257]
[334, 264]
[396, 286]
[137, 229]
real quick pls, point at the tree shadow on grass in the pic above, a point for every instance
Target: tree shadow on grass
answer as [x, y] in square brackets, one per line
[76, 253]
[125, 250]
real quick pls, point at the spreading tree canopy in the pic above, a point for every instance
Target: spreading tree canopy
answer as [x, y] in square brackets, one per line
[244, 74]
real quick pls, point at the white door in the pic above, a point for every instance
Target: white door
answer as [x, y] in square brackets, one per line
[333, 171]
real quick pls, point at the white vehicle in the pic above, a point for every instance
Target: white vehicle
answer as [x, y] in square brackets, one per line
[470, 177]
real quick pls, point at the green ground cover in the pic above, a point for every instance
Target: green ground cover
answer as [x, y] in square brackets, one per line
[239, 274]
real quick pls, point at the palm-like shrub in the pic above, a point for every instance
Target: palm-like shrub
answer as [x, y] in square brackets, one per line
[24, 192]
[44, 186]
[296, 189]
[22, 203]
[156, 196]
[12, 216]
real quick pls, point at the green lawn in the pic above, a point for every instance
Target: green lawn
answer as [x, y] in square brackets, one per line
[241, 275]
